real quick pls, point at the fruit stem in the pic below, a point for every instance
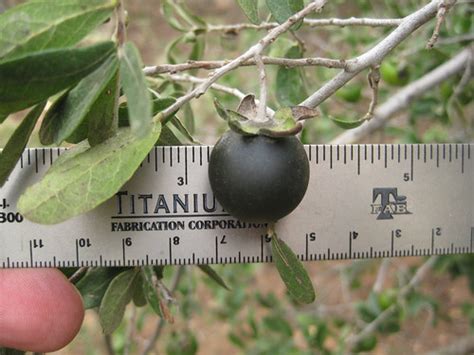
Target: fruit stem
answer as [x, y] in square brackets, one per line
[262, 105]
[271, 230]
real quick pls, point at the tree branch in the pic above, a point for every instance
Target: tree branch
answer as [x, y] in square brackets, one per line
[405, 96]
[250, 53]
[216, 64]
[375, 55]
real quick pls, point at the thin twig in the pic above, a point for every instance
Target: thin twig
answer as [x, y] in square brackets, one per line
[443, 8]
[468, 37]
[414, 282]
[370, 22]
[161, 322]
[380, 279]
[250, 53]
[120, 26]
[217, 87]
[262, 105]
[78, 274]
[108, 345]
[374, 79]
[130, 333]
[216, 64]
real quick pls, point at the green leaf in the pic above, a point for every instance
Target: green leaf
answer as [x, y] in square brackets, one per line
[347, 124]
[40, 25]
[139, 299]
[169, 16]
[170, 135]
[102, 121]
[290, 89]
[81, 184]
[68, 113]
[209, 271]
[94, 284]
[281, 10]
[292, 272]
[33, 78]
[135, 88]
[159, 104]
[250, 9]
[16, 144]
[118, 295]
[150, 289]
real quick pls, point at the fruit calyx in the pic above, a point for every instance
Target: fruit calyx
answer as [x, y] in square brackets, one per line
[286, 121]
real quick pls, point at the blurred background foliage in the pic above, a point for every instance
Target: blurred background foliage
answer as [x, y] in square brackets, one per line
[257, 316]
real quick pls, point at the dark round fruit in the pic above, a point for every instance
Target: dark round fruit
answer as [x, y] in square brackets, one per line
[257, 178]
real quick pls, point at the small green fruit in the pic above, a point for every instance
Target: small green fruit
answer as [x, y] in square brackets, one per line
[393, 75]
[350, 93]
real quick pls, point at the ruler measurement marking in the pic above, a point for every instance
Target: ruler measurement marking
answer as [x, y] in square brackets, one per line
[378, 151]
[156, 159]
[170, 247]
[345, 155]
[472, 240]
[352, 152]
[392, 245]
[31, 252]
[399, 154]
[306, 246]
[178, 151]
[317, 154]
[337, 152]
[185, 166]
[432, 240]
[36, 161]
[371, 154]
[350, 244]
[324, 152]
[77, 251]
[123, 251]
[385, 156]
[330, 157]
[171, 156]
[462, 159]
[450, 152]
[358, 159]
[309, 153]
[437, 155]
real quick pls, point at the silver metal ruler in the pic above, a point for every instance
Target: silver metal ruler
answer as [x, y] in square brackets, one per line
[363, 201]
